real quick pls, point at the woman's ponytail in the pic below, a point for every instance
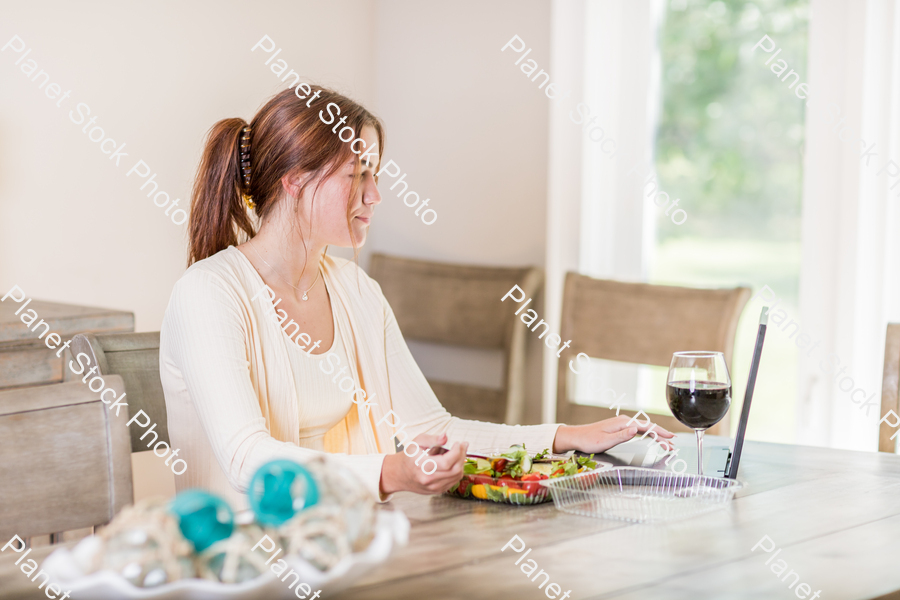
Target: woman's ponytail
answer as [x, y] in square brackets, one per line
[217, 210]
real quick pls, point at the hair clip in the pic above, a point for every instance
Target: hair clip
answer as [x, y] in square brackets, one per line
[245, 160]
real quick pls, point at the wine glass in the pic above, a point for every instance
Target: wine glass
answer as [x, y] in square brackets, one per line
[698, 390]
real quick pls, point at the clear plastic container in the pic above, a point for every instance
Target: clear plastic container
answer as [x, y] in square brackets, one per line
[640, 495]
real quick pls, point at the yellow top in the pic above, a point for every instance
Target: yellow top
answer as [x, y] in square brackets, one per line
[236, 399]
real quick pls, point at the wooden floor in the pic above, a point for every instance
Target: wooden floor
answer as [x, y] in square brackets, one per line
[835, 515]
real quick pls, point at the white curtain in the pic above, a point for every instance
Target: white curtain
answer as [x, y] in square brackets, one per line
[850, 273]
[563, 176]
[605, 52]
[621, 87]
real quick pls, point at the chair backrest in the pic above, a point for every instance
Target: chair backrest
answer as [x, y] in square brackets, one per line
[642, 323]
[135, 357]
[890, 400]
[66, 459]
[460, 305]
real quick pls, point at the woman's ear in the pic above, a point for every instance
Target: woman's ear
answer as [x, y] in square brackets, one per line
[292, 184]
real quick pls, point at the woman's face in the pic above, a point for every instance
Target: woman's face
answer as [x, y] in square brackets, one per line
[329, 207]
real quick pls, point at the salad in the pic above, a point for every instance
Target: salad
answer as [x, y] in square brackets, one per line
[513, 476]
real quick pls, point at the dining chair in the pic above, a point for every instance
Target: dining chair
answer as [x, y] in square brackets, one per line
[66, 459]
[459, 305]
[135, 357]
[890, 400]
[644, 324]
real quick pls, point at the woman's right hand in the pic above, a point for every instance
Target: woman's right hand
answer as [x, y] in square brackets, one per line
[400, 473]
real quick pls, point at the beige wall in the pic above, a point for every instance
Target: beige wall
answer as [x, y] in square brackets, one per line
[461, 122]
[74, 228]
[471, 133]
[466, 126]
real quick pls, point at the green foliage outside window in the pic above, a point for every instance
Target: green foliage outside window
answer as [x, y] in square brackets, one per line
[730, 135]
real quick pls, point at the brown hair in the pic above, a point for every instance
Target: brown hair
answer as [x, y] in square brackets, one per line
[286, 138]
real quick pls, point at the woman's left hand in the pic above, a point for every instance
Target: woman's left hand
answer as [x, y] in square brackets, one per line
[603, 435]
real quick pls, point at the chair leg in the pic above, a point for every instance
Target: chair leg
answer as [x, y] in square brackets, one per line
[56, 538]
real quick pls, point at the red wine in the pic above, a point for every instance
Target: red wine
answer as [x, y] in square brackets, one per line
[698, 404]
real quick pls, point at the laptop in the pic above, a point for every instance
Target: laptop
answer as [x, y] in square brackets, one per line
[718, 460]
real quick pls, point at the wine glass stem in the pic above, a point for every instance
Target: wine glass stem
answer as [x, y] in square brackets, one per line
[700, 433]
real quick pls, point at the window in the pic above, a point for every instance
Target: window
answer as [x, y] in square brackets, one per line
[729, 145]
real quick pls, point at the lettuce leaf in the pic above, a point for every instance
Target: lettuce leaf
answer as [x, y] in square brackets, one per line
[586, 461]
[477, 466]
[495, 495]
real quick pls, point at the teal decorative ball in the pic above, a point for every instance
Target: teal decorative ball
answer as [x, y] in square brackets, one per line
[279, 490]
[203, 518]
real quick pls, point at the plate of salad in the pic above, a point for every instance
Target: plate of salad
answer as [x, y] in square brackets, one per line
[513, 476]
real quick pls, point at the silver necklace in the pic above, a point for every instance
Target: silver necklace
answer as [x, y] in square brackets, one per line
[305, 296]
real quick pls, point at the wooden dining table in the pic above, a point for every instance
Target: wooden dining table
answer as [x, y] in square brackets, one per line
[834, 515]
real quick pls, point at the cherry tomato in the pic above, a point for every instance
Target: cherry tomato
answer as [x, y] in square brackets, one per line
[510, 482]
[533, 488]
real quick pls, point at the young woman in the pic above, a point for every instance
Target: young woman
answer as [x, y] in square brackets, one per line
[273, 349]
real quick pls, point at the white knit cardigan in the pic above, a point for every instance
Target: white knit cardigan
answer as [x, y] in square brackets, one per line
[231, 396]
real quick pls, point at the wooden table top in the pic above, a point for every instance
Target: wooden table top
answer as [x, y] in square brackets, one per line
[835, 515]
[64, 319]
